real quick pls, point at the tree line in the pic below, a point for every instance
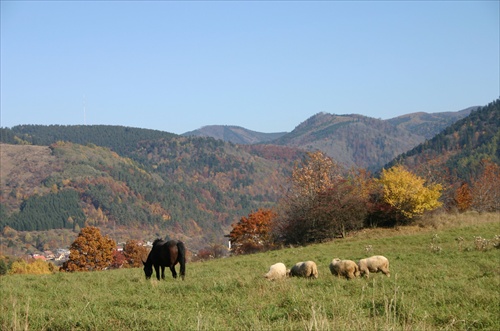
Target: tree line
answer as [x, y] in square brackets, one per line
[324, 202]
[150, 178]
[91, 251]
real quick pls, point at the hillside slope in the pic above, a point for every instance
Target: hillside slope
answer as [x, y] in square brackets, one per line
[122, 140]
[188, 188]
[24, 167]
[352, 140]
[459, 149]
[150, 183]
[428, 125]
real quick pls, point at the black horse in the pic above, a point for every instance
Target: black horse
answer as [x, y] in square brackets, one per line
[165, 254]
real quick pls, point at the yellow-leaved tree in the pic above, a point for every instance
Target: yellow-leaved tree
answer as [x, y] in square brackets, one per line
[33, 267]
[407, 193]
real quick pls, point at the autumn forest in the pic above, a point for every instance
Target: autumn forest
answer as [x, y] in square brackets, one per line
[57, 182]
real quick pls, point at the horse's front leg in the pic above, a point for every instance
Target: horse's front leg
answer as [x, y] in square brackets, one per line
[163, 272]
[174, 273]
[157, 270]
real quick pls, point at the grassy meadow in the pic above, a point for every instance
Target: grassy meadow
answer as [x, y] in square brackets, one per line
[437, 283]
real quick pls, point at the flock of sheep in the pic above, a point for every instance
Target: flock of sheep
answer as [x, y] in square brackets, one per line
[341, 268]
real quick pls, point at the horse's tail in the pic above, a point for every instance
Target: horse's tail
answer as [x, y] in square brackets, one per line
[182, 258]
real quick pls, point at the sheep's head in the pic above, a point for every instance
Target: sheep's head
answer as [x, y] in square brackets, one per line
[336, 260]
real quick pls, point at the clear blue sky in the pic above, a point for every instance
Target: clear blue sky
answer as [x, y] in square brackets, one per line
[265, 66]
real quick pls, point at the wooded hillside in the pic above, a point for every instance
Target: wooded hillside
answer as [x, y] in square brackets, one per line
[459, 149]
[187, 188]
[140, 183]
[352, 140]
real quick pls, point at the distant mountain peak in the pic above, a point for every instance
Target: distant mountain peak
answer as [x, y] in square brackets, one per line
[234, 134]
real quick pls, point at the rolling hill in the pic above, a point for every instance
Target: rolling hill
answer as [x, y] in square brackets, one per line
[234, 134]
[183, 187]
[139, 183]
[352, 140]
[428, 125]
[458, 150]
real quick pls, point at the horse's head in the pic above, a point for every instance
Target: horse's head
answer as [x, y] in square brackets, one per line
[148, 269]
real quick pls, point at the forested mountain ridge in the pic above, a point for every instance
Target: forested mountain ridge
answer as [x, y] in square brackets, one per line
[122, 140]
[352, 140]
[428, 125]
[183, 187]
[145, 183]
[234, 134]
[458, 150]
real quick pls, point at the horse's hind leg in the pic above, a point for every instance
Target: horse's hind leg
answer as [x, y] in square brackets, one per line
[174, 273]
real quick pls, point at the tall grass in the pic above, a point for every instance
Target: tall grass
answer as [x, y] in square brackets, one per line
[454, 288]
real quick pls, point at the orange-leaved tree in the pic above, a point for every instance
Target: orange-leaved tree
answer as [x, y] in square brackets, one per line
[252, 233]
[486, 190]
[134, 254]
[314, 175]
[90, 251]
[463, 197]
[407, 193]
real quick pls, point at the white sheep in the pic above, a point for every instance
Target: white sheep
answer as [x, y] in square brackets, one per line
[276, 271]
[344, 268]
[377, 263]
[304, 269]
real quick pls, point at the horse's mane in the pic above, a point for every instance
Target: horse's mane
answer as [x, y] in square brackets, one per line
[157, 241]
[149, 260]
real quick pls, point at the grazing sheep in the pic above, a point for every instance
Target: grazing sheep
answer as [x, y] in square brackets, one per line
[344, 268]
[304, 269]
[276, 271]
[377, 263]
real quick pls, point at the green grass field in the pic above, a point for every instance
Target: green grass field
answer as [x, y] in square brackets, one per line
[436, 283]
